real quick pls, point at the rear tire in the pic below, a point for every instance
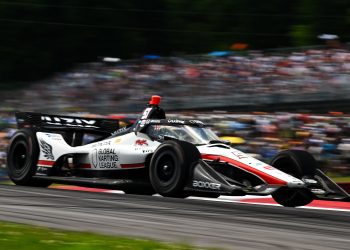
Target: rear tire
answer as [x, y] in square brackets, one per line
[297, 163]
[170, 166]
[22, 159]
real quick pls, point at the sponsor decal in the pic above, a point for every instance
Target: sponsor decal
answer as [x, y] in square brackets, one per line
[55, 137]
[240, 155]
[196, 122]
[50, 135]
[145, 121]
[146, 151]
[118, 140]
[101, 143]
[206, 184]
[141, 142]
[152, 121]
[176, 121]
[142, 123]
[269, 167]
[104, 158]
[46, 149]
[66, 121]
[119, 130]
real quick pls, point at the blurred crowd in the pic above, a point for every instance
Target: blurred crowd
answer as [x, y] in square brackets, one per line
[107, 87]
[326, 137]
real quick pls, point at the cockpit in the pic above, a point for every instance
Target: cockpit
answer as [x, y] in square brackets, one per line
[193, 134]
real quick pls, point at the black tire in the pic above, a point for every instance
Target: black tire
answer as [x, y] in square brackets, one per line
[297, 163]
[22, 158]
[293, 197]
[170, 166]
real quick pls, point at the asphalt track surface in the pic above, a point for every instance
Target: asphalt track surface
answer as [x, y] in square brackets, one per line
[198, 222]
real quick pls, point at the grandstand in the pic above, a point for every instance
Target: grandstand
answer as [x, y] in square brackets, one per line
[310, 79]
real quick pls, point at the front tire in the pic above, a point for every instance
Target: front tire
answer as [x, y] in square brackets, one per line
[170, 166]
[293, 197]
[22, 158]
[297, 163]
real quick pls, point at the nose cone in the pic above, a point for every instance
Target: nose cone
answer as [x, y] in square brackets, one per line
[296, 183]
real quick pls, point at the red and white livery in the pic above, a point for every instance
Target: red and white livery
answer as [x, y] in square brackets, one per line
[172, 157]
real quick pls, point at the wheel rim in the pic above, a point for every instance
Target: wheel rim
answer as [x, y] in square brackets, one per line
[165, 168]
[20, 158]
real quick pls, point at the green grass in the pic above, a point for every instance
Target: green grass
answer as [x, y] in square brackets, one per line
[337, 177]
[6, 182]
[17, 237]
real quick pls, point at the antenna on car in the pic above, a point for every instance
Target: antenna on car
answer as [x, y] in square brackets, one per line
[152, 111]
[155, 100]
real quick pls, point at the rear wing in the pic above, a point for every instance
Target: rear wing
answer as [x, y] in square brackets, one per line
[62, 123]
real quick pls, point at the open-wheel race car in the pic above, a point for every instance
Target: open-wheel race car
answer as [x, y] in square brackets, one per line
[171, 157]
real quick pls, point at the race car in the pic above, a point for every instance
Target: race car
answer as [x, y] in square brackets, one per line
[156, 154]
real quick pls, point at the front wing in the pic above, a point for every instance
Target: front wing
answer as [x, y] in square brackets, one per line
[203, 178]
